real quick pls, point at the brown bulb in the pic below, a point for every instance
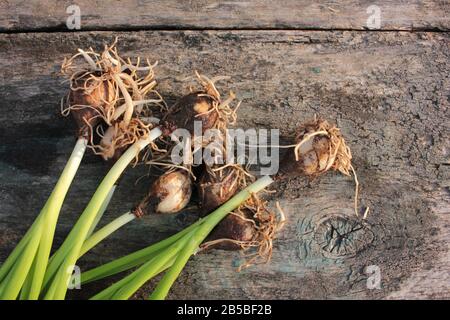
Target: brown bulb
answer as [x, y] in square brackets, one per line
[316, 154]
[195, 106]
[216, 189]
[86, 104]
[235, 229]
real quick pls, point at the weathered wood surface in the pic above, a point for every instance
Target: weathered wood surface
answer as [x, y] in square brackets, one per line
[388, 91]
[210, 14]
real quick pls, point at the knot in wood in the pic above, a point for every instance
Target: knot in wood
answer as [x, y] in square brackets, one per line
[342, 236]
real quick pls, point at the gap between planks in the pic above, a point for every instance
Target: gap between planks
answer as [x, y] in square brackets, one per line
[164, 28]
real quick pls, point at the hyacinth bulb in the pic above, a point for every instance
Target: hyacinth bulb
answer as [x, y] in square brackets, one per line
[192, 107]
[171, 192]
[216, 189]
[85, 104]
[236, 229]
[320, 147]
[315, 155]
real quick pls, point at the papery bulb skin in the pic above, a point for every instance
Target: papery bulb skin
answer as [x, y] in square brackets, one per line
[315, 155]
[172, 191]
[86, 103]
[195, 106]
[214, 189]
[236, 229]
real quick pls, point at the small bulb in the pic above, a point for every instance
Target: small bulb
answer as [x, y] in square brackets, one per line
[315, 158]
[172, 191]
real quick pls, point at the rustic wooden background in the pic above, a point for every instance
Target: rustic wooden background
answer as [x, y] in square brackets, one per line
[388, 89]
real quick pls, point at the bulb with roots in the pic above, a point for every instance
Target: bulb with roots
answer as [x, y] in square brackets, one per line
[252, 225]
[319, 147]
[235, 230]
[204, 105]
[108, 90]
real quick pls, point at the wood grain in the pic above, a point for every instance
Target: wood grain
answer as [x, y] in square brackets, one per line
[19, 15]
[388, 91]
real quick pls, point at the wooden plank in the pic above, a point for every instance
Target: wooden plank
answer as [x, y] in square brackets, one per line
[388, 91]
[18, 15]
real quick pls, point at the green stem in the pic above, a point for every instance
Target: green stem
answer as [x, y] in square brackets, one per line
[58, 196]
[124, 288]
[21, 246]
[108, 293]
[133, 259]
[66, 261]
[102, 210]
[4, 283]
[19, 271]
[163, 287]
[104, 232]
[150, 269]
[25, 291]
[7, 265]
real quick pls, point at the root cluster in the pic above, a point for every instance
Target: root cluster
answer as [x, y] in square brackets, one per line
[113, 92]
[321, 147]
